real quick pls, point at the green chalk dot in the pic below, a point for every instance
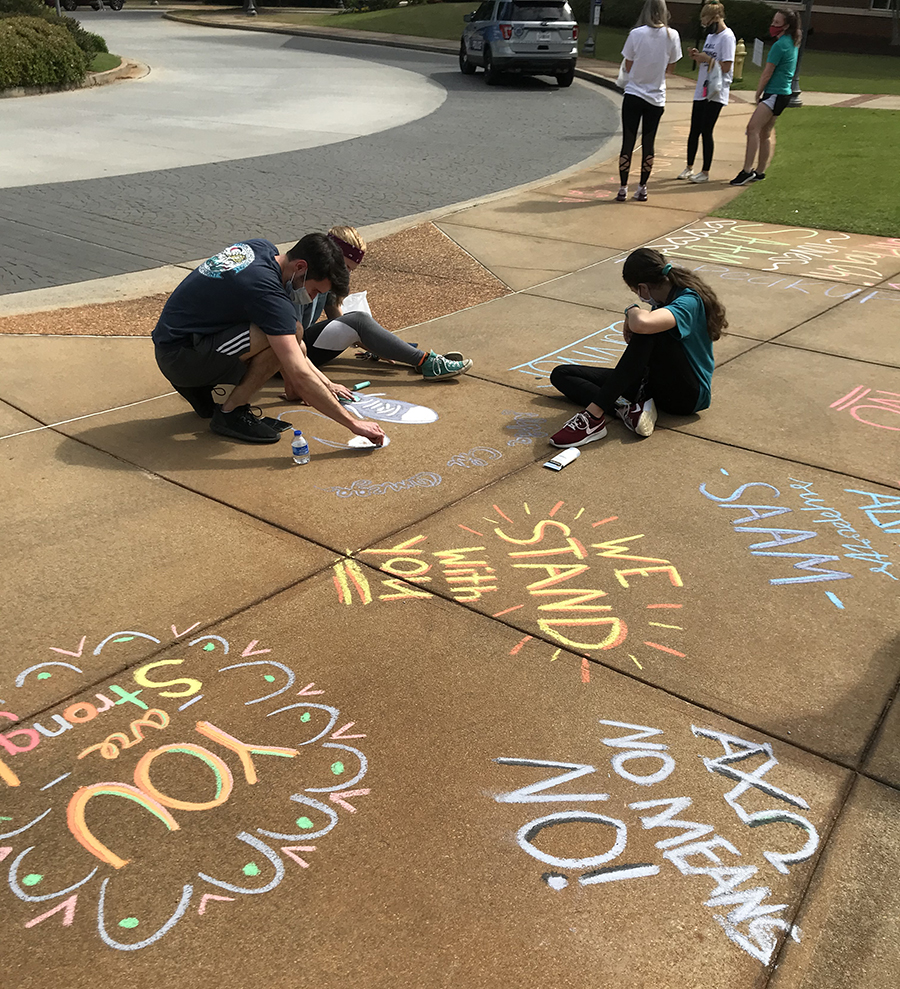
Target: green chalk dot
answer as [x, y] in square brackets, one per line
[32, 880]
[126, 638]
[44, 675]
[337, 768]
[305, 823]
[209, 647]
[305, 716]
[269, 678]
[251, 869]
[129, 922]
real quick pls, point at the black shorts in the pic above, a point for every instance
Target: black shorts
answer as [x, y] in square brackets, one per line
[206, 358]
[776, 102]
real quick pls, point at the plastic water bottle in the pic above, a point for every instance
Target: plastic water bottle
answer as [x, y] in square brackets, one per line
[299, 448]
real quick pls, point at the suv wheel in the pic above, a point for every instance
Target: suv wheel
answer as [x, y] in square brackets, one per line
[116, 4]
[97, 5]
[565, 79]
[69, 4]
[465, 66]
[491, 73]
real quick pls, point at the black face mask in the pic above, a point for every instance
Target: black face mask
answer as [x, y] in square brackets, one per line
[707, 31]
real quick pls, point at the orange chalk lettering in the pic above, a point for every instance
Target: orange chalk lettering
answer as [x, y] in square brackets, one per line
[674, 576]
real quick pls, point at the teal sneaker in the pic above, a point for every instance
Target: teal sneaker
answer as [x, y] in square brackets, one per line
[435, 366]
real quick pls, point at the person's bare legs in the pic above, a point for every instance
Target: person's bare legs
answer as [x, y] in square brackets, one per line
[766, 144]
[762, 117]
[261, 365]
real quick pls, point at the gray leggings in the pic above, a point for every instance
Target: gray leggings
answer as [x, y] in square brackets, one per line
[328, 339]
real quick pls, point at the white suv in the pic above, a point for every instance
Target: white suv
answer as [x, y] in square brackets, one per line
[536, 37]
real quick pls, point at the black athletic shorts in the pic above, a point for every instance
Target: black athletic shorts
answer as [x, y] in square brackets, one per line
[206, 358]
[776, 102]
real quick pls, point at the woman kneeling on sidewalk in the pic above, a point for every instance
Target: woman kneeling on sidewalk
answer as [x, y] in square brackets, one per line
[668, 359]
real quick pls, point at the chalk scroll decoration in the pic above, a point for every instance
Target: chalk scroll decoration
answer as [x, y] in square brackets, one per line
[292, 747]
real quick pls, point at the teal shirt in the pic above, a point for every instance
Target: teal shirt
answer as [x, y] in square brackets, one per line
[690, 330]
[783, 55]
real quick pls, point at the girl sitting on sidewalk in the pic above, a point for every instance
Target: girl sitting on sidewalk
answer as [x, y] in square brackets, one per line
[668, 359]
[327, 339]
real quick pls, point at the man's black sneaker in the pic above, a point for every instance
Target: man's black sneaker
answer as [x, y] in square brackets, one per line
[758, 176]
[743, 178]
[242, 424]
[200, 398]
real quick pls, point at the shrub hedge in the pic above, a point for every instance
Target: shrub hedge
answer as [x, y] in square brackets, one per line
[35, 53]
[86, 40]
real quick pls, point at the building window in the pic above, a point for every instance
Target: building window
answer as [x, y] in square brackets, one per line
[882, 4]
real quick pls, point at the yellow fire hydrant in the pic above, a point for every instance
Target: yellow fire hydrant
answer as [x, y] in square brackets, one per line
[740, 53]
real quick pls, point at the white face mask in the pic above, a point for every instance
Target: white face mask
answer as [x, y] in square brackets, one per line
[299, 296]
[647, 302]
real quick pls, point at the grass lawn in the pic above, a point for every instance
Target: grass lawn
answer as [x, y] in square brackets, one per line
[826, 72]
[834, 168]
[103, 61]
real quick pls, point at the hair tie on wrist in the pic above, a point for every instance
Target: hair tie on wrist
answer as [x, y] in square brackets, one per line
[666, 268]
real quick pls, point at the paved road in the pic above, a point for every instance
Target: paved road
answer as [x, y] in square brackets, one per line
[341, 131]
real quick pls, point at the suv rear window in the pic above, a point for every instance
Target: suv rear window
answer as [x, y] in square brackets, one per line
[523, 11]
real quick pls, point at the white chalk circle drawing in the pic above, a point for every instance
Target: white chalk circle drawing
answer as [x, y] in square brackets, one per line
[391, 410]
[221, 763]
[364, 489]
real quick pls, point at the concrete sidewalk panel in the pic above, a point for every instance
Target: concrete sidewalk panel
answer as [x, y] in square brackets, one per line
[89, 540]
[344, 498]
[57, 378]
[862, 328]
[519, 339]
[850, 914]
[483, 816]
[759, 306]
[597, 223]
[883, 761]
[813, 408]
[14, 421]
[711, 572]
[852, 259]
[522, 261]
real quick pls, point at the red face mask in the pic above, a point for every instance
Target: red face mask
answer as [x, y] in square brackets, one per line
[775, 32]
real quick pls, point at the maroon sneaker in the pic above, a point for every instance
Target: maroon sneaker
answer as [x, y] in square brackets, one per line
[580, 429]
[639, 417]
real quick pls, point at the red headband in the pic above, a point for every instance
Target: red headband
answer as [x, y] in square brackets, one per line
[350, 252]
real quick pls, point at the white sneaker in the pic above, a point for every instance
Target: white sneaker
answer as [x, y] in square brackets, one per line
[686, 174]
[699, 177]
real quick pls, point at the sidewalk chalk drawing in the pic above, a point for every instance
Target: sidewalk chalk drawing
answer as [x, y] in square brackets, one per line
[802, 533]
[478, 456]
[365, 489]
[119, 815]
[880, 409]
[590, 585]
[526, 427]
[725, 862]
[603, 348]
[820, 253]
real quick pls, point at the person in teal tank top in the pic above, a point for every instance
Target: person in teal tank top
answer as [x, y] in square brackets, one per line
[773, 94]
[668, 359]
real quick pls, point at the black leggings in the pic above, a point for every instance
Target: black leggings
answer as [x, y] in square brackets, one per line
[328, 339]
[635, 110]
[654, 365]
[704, 115]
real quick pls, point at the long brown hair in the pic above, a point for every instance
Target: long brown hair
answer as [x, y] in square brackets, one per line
[646, 265]
[793, 27]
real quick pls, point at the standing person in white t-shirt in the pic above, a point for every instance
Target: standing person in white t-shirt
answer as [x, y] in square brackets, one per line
[718, 48]
[649, 51]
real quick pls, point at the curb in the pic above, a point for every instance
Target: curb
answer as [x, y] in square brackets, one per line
[365, 38]
[128, 68]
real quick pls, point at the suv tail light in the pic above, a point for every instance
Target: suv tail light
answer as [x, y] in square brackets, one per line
[575, 33]
[506, 31]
